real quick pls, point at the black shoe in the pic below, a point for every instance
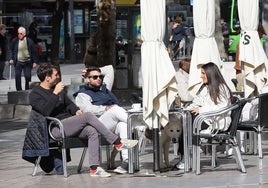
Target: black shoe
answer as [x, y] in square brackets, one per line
[2, 78]
[47, 164]
[174, 168]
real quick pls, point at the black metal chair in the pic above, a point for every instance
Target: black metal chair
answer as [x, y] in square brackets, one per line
[260, 125]
[65, 143]
[217, 137]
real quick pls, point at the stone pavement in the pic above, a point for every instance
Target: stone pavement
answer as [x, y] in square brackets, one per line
[15, 172]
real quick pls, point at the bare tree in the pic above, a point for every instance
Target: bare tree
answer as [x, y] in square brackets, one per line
[56, 24]
[106, 32]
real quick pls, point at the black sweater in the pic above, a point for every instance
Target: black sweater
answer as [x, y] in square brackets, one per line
[48, 104]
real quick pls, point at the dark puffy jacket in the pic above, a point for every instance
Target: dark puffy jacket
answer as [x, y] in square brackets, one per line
[36, 139]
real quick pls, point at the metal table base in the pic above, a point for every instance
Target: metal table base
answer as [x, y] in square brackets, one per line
[133, 154]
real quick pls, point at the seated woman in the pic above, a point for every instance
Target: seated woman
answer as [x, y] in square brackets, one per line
[213, 95]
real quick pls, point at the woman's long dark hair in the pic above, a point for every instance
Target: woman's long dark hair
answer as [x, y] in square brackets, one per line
[215, 81]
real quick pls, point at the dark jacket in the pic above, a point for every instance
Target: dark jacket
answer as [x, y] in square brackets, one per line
[101, 96]
[3, 46]
[178, 33]
[13, 52]
[36, 138]
[48, 104]
[36, 142]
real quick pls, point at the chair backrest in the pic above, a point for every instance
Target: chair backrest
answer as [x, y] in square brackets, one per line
[262, 107]
[235, 115]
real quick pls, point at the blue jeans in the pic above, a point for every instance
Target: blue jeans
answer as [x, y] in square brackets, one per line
[27, 71]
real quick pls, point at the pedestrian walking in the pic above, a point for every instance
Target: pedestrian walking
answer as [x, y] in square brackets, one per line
[23, 56]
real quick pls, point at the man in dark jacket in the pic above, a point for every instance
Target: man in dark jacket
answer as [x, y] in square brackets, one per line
[23, 56]
[178, 34]
[3, 50]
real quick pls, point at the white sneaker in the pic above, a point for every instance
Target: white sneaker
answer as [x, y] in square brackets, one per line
[180, 165]
[229, 152]
[203, 140]
[242, 149]
[120, 170]
[100, 172]
[126, 144]
[206, 131]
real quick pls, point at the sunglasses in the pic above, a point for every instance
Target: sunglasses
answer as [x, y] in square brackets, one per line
[95, 77]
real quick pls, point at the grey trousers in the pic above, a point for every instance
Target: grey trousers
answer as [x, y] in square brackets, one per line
[87, 126]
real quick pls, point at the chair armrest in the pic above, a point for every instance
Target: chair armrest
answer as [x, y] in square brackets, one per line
[212, 116]
[55, 122]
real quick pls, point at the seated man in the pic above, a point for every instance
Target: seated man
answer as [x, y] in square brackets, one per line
[96, 98]
[49, 99]
[108, 72]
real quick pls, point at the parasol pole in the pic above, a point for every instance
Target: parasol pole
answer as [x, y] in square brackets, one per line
[156, 152]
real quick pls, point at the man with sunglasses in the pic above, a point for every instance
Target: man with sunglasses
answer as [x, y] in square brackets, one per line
[23, 56]
[96, 98]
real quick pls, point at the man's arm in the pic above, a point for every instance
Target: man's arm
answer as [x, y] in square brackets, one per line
[83, 101]
[108, 72]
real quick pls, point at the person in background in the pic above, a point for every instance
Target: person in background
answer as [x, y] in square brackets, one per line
[138, 39]
[182, 77]
[239, 75]
[3, 50]
[23, 56]
[33, 32]
[178, 34]
[169, 27]
[225, 33]
[49, 99]
[33, 35]
[262, 34]
[212, 95]
[118, 47]
[96, 98]
[169, 35]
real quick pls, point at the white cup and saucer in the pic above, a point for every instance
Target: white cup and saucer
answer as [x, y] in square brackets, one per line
[136, 107]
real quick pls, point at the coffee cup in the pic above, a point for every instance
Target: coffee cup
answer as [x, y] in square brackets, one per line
[136, 106]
